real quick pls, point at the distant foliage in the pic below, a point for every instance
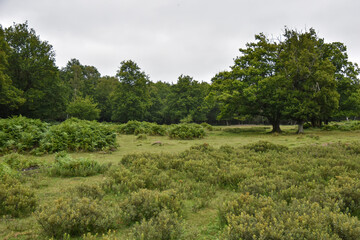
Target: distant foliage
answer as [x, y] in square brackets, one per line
[246, 129]
[186, 131]
[21, 134]
[75, 216]
[78, 135]
[136, 127]
[342, 126]
[66, 166]
[83, 108]
[16, 199]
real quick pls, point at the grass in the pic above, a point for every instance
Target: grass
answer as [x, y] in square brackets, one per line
[201, 224]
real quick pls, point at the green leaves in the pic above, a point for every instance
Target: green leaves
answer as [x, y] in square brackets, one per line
[83, 108]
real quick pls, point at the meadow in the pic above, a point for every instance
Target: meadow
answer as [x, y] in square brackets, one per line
[235, 182]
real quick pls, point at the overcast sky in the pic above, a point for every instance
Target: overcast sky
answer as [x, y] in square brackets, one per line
[167, 38]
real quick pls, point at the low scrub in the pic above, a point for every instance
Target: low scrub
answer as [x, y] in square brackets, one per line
[92, 191]
[264, 146]
[259, 217]
[78, 135]
[75, 217]
[66, 166]
[20, 162]
[146, 204]
[16, 200]
[165, 225]
[186, 131]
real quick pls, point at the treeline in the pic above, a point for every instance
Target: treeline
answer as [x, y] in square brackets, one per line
[299, 79]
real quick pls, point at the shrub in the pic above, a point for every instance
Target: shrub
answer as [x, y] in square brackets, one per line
[122, 180]
[6, 170]
[92, 191]
[136, 127]
[207, 126]
[247, 129]
[78, 135]
[264, 146]
[186, 131]
[20, 134]
[66, 166]
[146, 204]
[75, 216]
[164, 226]
[16, 199]
[251, 217]
[19, 162]
[83, 108]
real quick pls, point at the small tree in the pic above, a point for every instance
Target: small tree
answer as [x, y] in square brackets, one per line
[83, 108]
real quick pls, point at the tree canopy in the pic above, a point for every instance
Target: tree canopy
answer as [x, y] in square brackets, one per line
[296, 78]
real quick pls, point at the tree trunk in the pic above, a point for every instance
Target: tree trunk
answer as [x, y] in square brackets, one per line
[300, 127]
[276, 127]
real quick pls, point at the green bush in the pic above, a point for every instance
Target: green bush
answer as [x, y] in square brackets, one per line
[186, 131]
[21, 134]
[342, 126]
[146, 204]
[78, 135]
[16, 199]
[136, 127]
[6, 170]
[75, 216]
[66, 166]
[164, 226]
[250, 217]
[207, 126]
[246, 129]
[20, 162]
[83, 108]
[264, 146]
[92, 191]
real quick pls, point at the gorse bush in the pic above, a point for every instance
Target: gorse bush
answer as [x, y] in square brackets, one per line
[263, 146]
[66, 166]
[16, 199]
[186, 131]
[259, 217]
[164, 226]
[78, 135]
[147, 204]
[75, 216]
[21, 134]
[136, 127]
[92, 191]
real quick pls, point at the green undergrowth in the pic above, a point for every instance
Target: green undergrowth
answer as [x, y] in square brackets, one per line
[23, 135]
[257, 190]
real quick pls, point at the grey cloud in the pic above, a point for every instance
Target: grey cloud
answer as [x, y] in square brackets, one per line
[172, 37]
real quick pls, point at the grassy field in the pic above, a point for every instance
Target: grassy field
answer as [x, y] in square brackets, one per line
[200, 215]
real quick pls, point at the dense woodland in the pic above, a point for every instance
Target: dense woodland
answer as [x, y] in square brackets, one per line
[297, 78]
